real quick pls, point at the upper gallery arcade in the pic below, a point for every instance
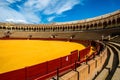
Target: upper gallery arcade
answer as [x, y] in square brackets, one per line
[101, 22]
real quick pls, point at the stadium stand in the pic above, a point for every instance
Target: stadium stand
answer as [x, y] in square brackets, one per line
[104, 64]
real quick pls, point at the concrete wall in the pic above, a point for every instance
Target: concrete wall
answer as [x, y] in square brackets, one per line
[84, 35]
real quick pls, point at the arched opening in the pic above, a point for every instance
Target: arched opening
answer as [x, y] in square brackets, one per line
[34, 29]
[99, 25]
[9, 28]
[13, 28]
[70, 28]
[46, 29]
[21, 28]
[87, 27]
[91, 26]
[63, 29]
[4, 27]
[40, 29]
[0, 27]
[43, 28]
[109, 22]
[29, 28]
[74, 28]
[95, 26]
[80, 27]
[18, 28]
[51, 29]
[84, 27]
[118, 20]
[113, 22]
[60, 28]
[57, 28]
[104, 25]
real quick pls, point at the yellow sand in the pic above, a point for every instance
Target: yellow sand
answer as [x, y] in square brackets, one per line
[16, 54]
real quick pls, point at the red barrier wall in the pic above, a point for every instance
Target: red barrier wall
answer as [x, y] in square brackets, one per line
[46, 69]
[83, 54]
[14, 75]
[54, 64]
[66, 60]
[37, 70]
[74, 56]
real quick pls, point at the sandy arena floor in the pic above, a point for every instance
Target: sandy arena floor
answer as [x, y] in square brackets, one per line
[16, 54]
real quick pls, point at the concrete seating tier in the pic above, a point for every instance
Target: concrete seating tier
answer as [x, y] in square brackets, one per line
[117, 71]
[106, 70]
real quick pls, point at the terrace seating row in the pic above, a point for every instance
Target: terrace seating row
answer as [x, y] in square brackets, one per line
[116, 46]
[111, 71]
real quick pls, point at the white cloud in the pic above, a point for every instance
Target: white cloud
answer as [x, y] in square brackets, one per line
[50, 18]
[31, 11]
[36, 5]
[12, 1]
[16, 21]
[67, 6]
[9, 13]
[50, 7]
[3, 3]
[59, 7]
[31, 17]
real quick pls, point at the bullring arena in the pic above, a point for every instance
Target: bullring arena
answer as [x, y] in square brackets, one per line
[78, 50]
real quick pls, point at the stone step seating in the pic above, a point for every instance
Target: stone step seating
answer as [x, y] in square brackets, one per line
[116, 39]
[113, 66]
[117, 72]
[116, 61]
[117, 46]
[107, 69]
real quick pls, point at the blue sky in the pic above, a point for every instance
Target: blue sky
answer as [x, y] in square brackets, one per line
[48, 11]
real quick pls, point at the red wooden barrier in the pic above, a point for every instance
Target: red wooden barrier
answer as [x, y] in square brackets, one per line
[82, 55]
[53, 73]
[54, 64]
[47, 69]
[74, 56]
[44, 77]
[36, 70]
[66, 68]
[14, 75]
[66, 60]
